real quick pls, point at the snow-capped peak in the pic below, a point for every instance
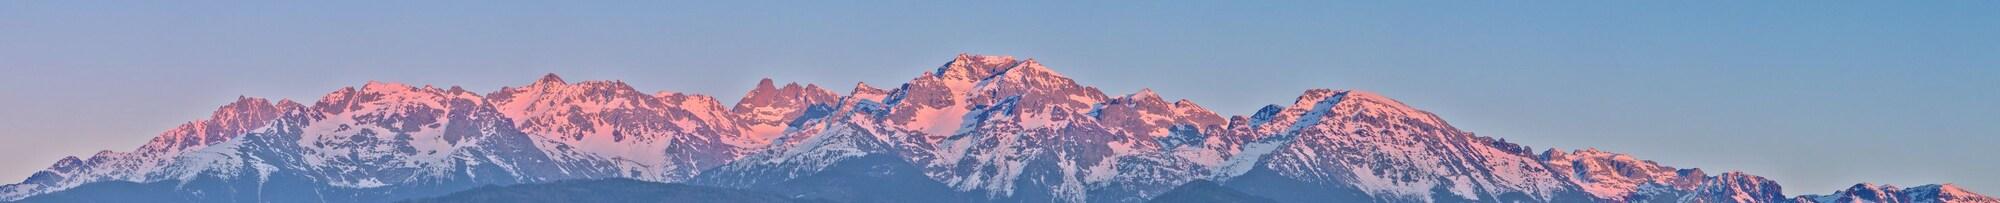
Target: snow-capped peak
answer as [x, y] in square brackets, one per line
[226, 122]
[766, 109]
[1146, 113]
[1871, 192]
[1014, 130]
[400, 95]
[863, 91]
[1384, 103]
[1146, 94]
[969, 67]
[1040, 88]
[1189, 112]
[1608, 175]
[608, 119]
[386, 87]
[1948, 193]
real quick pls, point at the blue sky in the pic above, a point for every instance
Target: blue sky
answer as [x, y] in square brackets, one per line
[1817, 95]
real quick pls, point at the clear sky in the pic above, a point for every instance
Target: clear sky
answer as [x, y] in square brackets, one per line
[1817, 95]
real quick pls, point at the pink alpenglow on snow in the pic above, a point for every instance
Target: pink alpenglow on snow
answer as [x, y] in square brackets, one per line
[979, 128]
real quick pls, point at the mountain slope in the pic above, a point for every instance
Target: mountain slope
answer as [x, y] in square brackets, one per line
[976, 129]
[663, 137]
[1867, 192]
[228, 121]
[1349, 140]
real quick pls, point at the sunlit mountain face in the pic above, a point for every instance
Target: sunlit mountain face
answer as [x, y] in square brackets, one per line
[977, 129]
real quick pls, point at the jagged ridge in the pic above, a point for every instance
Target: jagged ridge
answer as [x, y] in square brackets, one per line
[978, 128]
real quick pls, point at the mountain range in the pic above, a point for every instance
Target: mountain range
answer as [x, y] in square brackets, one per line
[977, 129]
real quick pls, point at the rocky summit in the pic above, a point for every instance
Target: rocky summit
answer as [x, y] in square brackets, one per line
[976, 129]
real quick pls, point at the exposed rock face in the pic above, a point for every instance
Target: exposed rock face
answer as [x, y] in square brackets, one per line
[767, 110]
[1868, 192]
[978, 128]
[663, 137]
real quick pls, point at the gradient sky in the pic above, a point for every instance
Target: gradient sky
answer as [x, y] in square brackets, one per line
[1816, 95]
